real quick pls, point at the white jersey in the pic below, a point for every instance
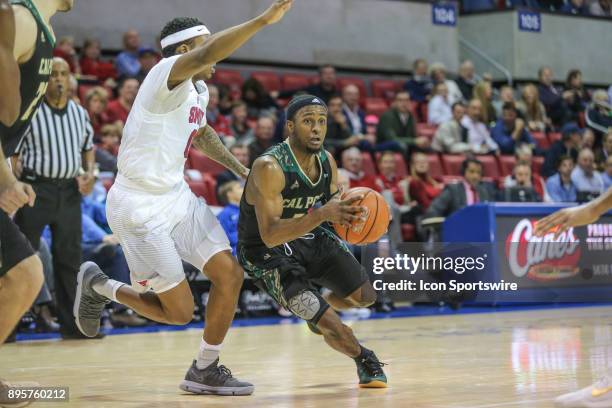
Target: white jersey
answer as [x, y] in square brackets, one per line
[159, 130]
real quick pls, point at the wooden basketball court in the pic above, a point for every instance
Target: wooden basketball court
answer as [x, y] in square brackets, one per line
[509, 359]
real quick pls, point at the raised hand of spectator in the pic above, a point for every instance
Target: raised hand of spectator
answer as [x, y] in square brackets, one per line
[353, 140]
[86, 183]
[519, 125]
[15, 195]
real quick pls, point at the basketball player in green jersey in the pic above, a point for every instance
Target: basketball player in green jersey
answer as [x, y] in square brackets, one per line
[26, 52]
[598, 395]
[286, 246]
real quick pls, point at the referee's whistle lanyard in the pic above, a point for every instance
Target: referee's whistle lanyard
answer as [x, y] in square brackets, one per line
[289, 251]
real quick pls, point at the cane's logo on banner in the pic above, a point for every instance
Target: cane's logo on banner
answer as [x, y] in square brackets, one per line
[542, 258]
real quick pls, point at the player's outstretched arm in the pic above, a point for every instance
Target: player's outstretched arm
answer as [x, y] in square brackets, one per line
[222, 44]
[208, 142]
[10, 97]
[264, 190]
[575, 216]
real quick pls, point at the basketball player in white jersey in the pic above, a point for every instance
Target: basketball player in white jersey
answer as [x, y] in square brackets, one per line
[599, 394]
[158, 220]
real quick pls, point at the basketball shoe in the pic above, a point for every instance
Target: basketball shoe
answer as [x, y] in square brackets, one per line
[598, 395]
[88, 304]
[214, 379]
[369, 370]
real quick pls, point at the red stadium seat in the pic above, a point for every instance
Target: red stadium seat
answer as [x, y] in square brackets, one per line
[269, 80]
[452, 164]
[375, 106]
[541, 139]
[490, 167]
[203, 163]
[384, 88]
[408, 232]
[553, 137]
[536, 165]
[435, 166]
[368, 164]
[358, 82]
[228, 77]
[506, 164]
[290, 82]
[426, 130]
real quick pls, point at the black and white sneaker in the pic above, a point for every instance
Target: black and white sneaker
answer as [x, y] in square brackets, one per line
[88, 304]
[214, 379]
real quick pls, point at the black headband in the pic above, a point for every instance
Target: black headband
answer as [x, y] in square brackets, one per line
[302, 101]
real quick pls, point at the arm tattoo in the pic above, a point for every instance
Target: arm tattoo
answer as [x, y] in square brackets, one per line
[208, 142]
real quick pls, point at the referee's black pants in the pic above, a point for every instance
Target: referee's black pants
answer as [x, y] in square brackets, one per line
[58, 204]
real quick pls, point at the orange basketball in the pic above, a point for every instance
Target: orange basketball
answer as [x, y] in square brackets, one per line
[377, 218]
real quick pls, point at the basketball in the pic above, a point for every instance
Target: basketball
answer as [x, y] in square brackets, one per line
[377, 218]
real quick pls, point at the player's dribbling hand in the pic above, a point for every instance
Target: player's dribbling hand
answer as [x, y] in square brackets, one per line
[16, 196]
[276, 11]
[343, 212]
[560, 221]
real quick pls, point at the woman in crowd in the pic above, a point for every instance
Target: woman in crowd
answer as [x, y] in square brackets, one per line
[532, 109]
[483, 91]
[96, 100]
[91, 63]
[575, 96]
[257, 99]
[423, 187]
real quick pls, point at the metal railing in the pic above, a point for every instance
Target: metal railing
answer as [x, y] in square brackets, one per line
[496, 65]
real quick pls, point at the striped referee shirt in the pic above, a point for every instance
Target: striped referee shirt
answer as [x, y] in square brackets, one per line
[53, 146]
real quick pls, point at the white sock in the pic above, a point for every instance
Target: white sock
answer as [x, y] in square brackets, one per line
[207, 355]
[108, 289]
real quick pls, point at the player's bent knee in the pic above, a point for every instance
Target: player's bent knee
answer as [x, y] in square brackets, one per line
[180, 316]
[25, 279]
[364, 296]
[307, 305]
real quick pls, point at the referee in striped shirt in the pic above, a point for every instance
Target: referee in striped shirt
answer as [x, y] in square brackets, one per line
[57, 159]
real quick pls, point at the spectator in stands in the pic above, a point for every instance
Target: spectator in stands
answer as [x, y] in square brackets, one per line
[127, 62]
[506, 94]
[225, 100]
[602, 155]
[352, 167]
[522, 189]
[339, 134]
[257, 99]
[588, 139]
[483, 91]
[599, 114]
[354, 114]
[119, 109]
[397, 127]
[214, 117]
[584, 176]
[466, 80]
[437, 71]
[510, 130]
[107, 149]
[576, 7]
[524, 154]
[239, 125]
[559, 186]
[533, 109]
[230, 194]
[610, 94]
[551, 97]
[601, 8]
[147, 58]
[451, 136]
[65, 49]
[571, 138]
[241, 152]
[607, 174]
[419, 86]
[264, 135]
[439, 108]
[477, 132]
[325, 88]
[575, 96]
[96, 100]
[455, 196]
[91, 64]
[389, 180]
[423, 187]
